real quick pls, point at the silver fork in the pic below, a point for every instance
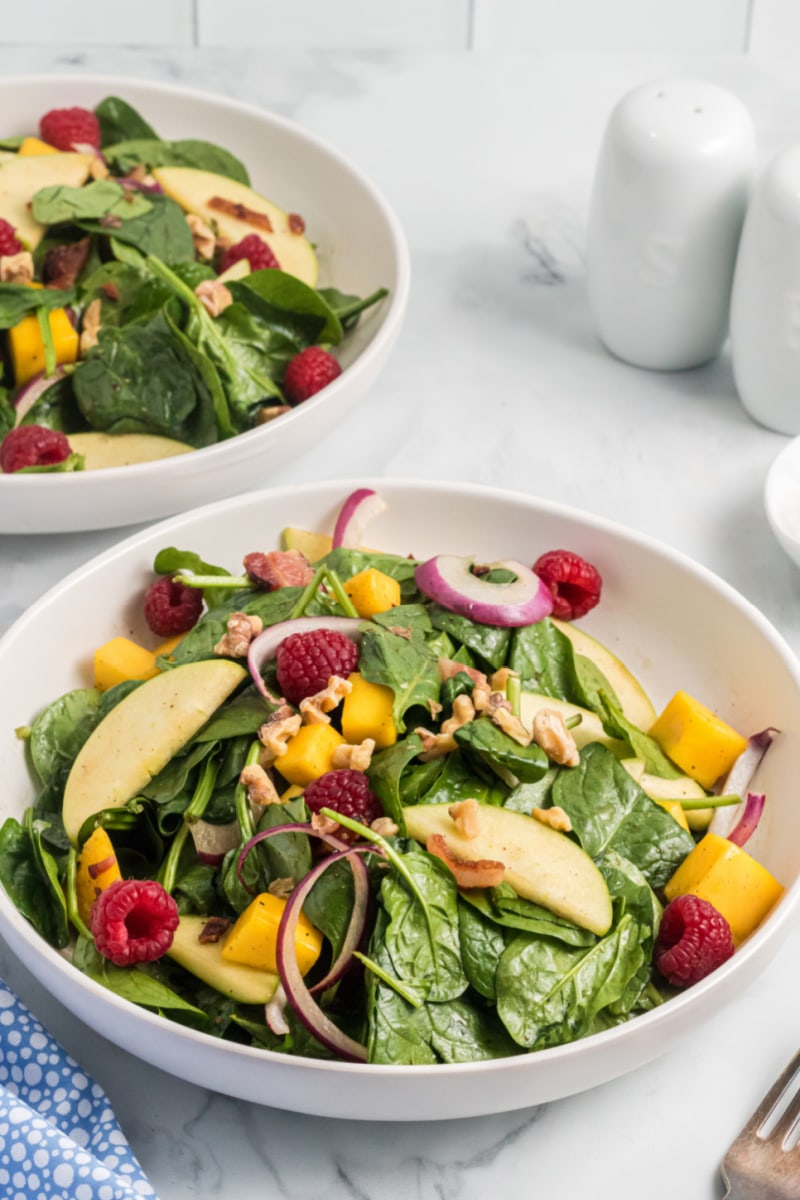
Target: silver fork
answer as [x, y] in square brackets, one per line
[758, 1165]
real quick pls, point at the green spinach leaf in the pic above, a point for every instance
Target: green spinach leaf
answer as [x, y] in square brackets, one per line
[488, 642]
[150, 152]
[484, 738]
[406, 665]
[119, 120]
[58, 203]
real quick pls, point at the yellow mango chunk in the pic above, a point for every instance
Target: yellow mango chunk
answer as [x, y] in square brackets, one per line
[121, 659]
[675, 809]
[372, 592]
[27, 348]
[698, 741]
[291, 793]
[97, 868]
[367, 713]
[253, 938]
[165, 649]
[309, 754]
[31, 146]
[729, 878]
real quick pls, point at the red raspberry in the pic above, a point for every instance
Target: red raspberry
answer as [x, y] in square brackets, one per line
[693, 940]
[574, 583]
[348, 793]
[254, 249]
[171, 607]
[308, 373]
[306, 661]
[133, 920]
[9, 242]
[32, 446]
[66, 128]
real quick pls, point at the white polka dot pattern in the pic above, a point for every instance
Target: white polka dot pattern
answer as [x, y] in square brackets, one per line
[59, 1138]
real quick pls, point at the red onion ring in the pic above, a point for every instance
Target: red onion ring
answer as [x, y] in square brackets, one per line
[449, 581]
[737, 781]
[275, 1012]
[32, 391]
[294, 827]
[262, 648]
[746, 826]
[360, 507]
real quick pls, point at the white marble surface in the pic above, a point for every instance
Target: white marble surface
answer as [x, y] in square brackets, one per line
[497, 378]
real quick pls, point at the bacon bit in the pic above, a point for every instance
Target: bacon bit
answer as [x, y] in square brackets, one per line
[98, 868]
[110, 221]
[269, 412]
[279, 568]
[213, 930]
[448, 668]
[315, 709]
[282, 888]
[551, 733]
[466, 817]
[110, 291]
[555, 817]
[296, 223]
[241, 631]
[241, 212]
[477, 873]
[260, 788]
[63, 264]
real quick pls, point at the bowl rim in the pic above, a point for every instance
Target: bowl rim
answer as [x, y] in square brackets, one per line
[757, 948]
[17, 486]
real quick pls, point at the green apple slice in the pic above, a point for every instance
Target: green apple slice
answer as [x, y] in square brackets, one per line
[141, 734]
[214, 198]
[247, 985]
[540, 863]
[123, 449]
[22, 178]
[634, 700]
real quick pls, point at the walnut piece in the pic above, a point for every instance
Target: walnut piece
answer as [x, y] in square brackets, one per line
[203, 236]
[499, 681]
[213, 296]
[463, 713]
[90, 326]
[505, 719]
[282, 888]
[551, 733]
[315, 709]
[353, 758]
[322, 824]
[260, 788]
[384, 827]
[241, 631]
[434, 745]
[555, 817]
[16, 268]
[275, 733]
[466, 817]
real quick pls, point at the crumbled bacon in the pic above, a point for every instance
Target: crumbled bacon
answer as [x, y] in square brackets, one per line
[63, 264]
[241, 212]
[448, 668]
[98, 868]
[477, 873]
[296, 223]
[213, 930]
[278, 569]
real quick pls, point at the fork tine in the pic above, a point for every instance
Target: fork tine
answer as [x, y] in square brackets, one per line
[773, 1096]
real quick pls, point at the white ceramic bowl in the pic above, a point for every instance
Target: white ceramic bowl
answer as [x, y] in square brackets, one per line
[674, 623]
[782, 498]
[361, 247]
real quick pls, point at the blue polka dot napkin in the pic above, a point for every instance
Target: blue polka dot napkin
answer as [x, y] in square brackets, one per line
[59, 1139]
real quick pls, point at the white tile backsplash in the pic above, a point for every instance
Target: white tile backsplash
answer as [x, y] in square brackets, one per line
[99, 23]
[775, 29]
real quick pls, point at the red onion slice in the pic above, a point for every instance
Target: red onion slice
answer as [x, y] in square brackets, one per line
[737, 781]
[745, 827]
[293, 827]
[262, 648]
[212, 842]
[32, 391]
[359, 508]
[448, 580]
[275, 1012]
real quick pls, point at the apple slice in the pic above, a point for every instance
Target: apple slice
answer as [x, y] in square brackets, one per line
[634, 700]
[22, 178]
[247, 985]
[313, 545]
[589, 730]
[235, 211]
[540, 863]
[139, 737]
[123, 449]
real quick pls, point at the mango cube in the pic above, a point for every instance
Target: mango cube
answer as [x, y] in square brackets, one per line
[698, 741]
[121, 659]
[253, 938]
[27, 348]
[97, 868]
[728, 877]
[367, 713]
[309, 754]
[372, 592]
[31, 146]
[675, 810]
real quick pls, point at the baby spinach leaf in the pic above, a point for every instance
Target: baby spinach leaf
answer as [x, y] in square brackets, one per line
[542, 657]
[131, 983]
[49, 873]
[60, 731]
[385, 772]
[58, 203]
[609, 811]
[244, 714]
[289, 306]
[119, 120]
[151, 152]
[505, 908]
[330, 902]
[627, 885]
[483, 737]
[643, 746]
[413, 617]
[160, 231]
[347, 563]
[482, 945]
[457, 780]
[398, 1032]
[17, 300]
[527, 796]
[489, 642]
[349, 308]
[217, 410]
[406, 665]
[463, 1032]
[174, 778]
[199, 642]
[56, 408]
[21, 876]
[289, 855]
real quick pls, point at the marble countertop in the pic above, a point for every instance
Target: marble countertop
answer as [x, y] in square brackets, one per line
[498, 378]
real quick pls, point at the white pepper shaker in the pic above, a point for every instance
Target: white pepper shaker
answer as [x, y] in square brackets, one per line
[670, 193]
[765, 306]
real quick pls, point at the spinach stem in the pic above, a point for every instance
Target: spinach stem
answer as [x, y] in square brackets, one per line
[341, 595]
[193, 812]
[214, 581]
[710, 802]
[352, 310]
[514, 694]
[243, 814]
[395, 984]
[43, 317]
[308, 592]
[73, 911]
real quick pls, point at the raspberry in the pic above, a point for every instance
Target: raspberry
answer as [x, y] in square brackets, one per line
[306, 661]
[574, 583]
[254, 249]
[348, 793]
[171, 607]
[308, 373]
[133, 921]
[66, 128]
[693, 940]
[32, 446]
[9, 242]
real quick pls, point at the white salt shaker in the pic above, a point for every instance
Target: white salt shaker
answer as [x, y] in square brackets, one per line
[765, 306]
[670, 194]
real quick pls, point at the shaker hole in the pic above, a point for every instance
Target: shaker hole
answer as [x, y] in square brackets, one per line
[698, 110]
[659, 95]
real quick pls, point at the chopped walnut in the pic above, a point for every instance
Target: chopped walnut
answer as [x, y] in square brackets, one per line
[315, 709]
[203, 236]
[466, 817]
[353, 758]
[275, 733]
[463, 713]
[90, 326]
[282, 888]
[213, 296]
[499, 681]
[322, 824]
[469, 873]
[448, 667]
[269, 412]
[481, 697]
[434, 745]
[555, 817]
[551, 733]
[16, 268]
[260, 788]
[505, 719]
[434, 707]
[213, 930]
[384, 827]
[241, 631]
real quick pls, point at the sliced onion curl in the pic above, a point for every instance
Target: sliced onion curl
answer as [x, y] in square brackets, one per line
[275, 1012]
[359, 508]
[263, 648]
[212, 842]
[32, 391]
[448, 579]
[738, 780]
[745, 827]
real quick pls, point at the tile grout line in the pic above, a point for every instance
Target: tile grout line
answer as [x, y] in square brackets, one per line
[471, 24]
[748, 26]
[196, 23]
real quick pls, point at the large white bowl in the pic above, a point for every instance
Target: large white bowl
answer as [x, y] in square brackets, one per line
[673, 622]
[360, 245]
